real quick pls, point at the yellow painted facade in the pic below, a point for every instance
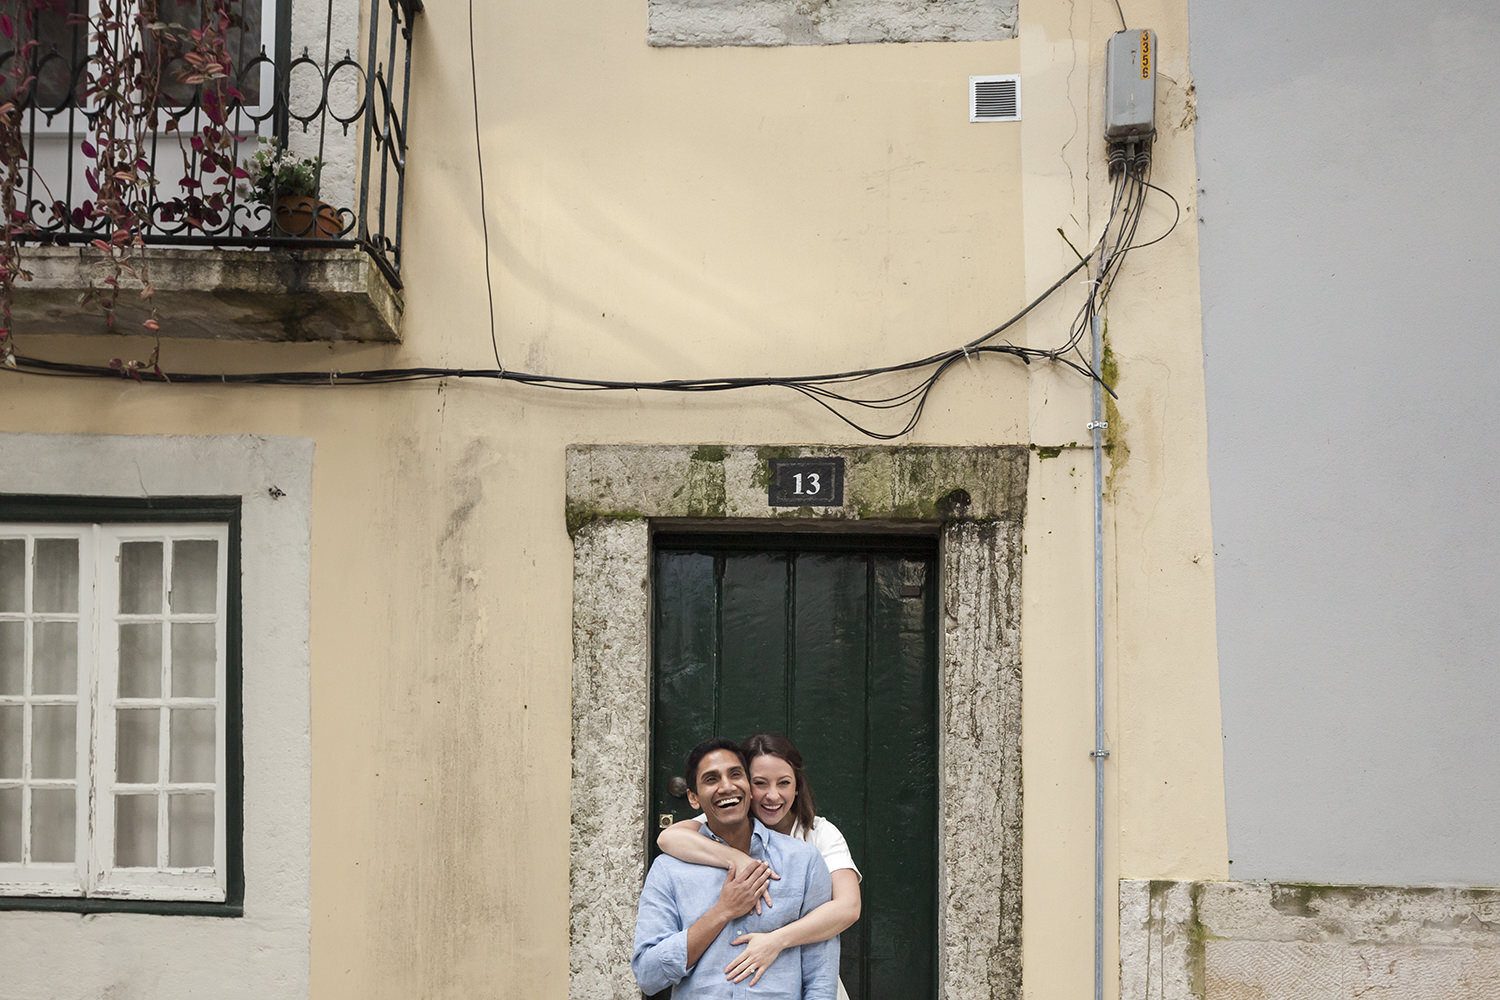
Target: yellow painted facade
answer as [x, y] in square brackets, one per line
[675, 213]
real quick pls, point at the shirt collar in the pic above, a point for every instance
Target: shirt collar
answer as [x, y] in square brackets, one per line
[758, 832]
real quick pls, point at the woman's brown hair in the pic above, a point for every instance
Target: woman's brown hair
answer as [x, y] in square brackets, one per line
[776, 745]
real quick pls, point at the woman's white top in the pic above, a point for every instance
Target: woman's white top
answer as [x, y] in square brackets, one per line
[826, 838]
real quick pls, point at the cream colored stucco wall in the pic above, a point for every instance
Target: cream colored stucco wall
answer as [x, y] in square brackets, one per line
[675, 213]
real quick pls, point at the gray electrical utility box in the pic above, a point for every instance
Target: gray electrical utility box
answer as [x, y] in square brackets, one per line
[1130, 86]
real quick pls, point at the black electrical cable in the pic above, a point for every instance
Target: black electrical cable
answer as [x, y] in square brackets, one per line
[1177, 217]
[1127, 205]
[1119, 207]
[815, 387]
[484, 220]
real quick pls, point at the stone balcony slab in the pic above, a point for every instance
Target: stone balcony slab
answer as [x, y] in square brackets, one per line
[266, 295]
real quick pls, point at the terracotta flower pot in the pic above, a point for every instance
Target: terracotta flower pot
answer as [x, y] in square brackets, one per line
[299, 215]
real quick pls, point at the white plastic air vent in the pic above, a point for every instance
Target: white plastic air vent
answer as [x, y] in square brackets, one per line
[995, 98]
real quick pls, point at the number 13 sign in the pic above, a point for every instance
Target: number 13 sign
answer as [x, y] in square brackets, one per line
[807, 482]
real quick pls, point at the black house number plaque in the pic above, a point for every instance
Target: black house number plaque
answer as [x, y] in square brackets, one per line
[807, 482]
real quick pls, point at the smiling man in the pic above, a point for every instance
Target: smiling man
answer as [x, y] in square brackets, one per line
[689, 913]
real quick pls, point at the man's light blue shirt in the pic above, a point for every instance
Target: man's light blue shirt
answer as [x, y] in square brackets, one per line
[678, 893]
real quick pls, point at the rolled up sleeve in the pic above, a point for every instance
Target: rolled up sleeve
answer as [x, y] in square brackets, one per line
[660, 957]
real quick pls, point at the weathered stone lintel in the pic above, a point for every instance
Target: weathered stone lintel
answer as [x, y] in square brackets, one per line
[1227, 940]
[208, 293]
[932, 484]
[827, 22]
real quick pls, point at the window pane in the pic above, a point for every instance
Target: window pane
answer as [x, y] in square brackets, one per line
[242, 41]
[10, 825]
[12, 738]
[135, 831]
[54, 742]
[56, 585]
[195, 576]
[140, 660]
[193, 660]
[52, 831]
[13, 574]
[60, 50]
[193, 744]
[137, 739]
[140, 578]
[54, 662]
[12, 656]
[190, 831]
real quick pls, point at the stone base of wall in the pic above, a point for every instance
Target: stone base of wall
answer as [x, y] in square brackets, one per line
[1281, 941]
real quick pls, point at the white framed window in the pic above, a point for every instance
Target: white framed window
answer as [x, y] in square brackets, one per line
[116, 691]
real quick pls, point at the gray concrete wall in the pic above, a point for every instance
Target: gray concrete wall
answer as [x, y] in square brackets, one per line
[1346, 155]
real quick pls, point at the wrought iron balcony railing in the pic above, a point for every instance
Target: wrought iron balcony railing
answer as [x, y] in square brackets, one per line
[323, 84]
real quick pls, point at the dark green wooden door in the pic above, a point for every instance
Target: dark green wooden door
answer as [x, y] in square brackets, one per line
[832, 641]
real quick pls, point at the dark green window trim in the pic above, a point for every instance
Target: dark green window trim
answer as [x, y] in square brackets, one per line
[42, 509]
[163, 907]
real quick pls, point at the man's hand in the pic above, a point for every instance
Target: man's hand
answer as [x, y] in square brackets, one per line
[765, 897]
[743, 887]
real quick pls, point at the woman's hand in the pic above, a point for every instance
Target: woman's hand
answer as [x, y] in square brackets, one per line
[760, 951]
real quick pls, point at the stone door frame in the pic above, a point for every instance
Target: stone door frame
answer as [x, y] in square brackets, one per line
[975, 499]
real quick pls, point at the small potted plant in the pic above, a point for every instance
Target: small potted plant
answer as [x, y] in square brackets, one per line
[288, 185]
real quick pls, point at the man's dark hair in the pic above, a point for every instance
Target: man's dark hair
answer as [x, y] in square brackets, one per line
[695, 757]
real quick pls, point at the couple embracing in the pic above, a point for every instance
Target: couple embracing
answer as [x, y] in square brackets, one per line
[748, 899]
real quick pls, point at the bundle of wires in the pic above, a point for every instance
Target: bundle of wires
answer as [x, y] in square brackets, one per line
[1130, 169]
[833, 390]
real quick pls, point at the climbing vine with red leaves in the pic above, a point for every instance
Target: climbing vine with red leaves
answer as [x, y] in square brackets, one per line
[136, 50]
[16, 81]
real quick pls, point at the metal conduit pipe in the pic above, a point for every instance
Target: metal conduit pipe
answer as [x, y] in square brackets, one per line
[1097, 427]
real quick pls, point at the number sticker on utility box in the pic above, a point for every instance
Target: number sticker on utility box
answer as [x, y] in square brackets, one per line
[807, 482]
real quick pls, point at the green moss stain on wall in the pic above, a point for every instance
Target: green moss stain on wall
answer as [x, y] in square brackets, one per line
[578, 516]
[1115, 445]
[702, 492]
[710, 453]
